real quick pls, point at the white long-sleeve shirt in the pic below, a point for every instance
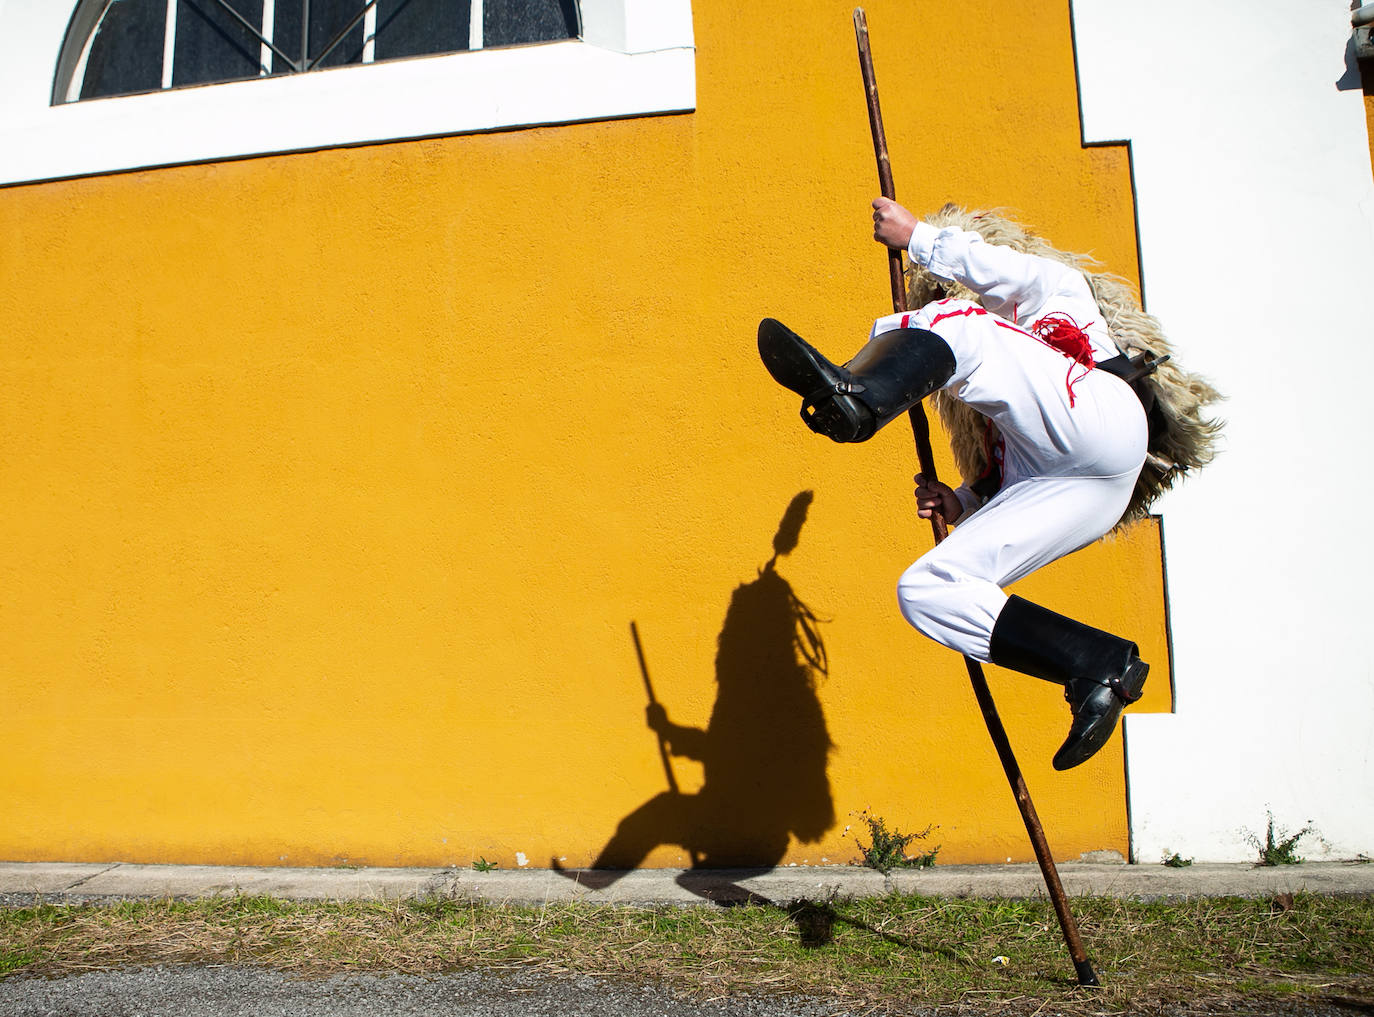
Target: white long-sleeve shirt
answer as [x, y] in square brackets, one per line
[1021, 288]
[1016, 287]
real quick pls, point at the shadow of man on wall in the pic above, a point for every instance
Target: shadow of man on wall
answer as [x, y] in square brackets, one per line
[764, 752]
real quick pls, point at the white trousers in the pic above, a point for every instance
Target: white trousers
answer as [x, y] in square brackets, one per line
[1068, 471]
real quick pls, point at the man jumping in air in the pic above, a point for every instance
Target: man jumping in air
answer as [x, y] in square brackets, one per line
[1052, 451]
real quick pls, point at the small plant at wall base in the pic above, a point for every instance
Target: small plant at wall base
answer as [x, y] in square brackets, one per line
[482, 865]
[1177, 861]
[887, 849]
[1279, 847]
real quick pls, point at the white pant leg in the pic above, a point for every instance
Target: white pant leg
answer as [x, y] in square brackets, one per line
[1068, 475]
[953, 594]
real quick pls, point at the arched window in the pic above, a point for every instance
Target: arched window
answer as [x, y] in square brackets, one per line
[594, 60]
[123, 47]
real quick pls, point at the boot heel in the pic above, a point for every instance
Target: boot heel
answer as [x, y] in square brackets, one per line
[1131, 686]
[796, 364]
[837, 417]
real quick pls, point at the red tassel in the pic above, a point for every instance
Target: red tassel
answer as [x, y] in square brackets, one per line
[1060, 332]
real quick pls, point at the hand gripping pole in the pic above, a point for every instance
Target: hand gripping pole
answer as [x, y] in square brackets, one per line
[920, 428]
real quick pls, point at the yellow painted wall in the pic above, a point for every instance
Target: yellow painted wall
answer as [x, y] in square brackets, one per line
[335, 480]
[1367, 82]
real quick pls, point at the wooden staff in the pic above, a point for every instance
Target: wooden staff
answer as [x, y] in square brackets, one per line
[920, 428]
[649, 688]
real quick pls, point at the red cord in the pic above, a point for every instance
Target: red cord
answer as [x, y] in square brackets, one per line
[1060, 332]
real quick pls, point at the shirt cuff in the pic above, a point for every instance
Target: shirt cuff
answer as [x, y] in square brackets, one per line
[969, 499]
[921, 247]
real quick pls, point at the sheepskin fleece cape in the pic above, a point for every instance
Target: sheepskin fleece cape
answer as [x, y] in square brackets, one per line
[1188, 438]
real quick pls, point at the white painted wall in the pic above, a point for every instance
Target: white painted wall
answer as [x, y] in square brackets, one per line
[1256, 210]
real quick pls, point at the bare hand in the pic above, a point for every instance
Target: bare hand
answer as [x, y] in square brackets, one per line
[932, 495]
[892, 224]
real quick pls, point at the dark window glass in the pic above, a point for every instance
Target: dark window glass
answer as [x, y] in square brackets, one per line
[506, 22]
[412, 27]
[286, 35]
[218, 40]
[213, 45]
[126, 55]
[327, 19]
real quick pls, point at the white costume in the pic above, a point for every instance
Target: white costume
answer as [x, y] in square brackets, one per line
[1028, 354]
[1074, 439]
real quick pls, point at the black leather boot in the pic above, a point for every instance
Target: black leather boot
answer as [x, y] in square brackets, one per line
[893, 372]
[1101, 673]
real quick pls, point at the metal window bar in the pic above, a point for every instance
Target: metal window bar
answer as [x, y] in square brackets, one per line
[343, 33]
[301, 65]
[269, 25]
[256, 32]
[264, 34]
[169, 37]
[370, 36]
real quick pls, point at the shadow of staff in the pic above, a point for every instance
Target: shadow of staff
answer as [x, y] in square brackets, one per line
[815, 920]
[816, 926]
[765, 750]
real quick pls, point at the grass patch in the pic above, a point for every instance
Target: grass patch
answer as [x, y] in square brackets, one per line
[16, 960]
[896, 951]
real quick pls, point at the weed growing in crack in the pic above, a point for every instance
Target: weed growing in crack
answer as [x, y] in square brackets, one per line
[887, 849]
[1279, 847]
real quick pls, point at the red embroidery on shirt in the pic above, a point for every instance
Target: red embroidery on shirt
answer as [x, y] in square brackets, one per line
[961, 313]
[1057, 331]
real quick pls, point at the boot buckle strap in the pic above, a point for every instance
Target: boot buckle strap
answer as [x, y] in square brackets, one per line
[841, 387]
[1130, 686]
[1122, 690]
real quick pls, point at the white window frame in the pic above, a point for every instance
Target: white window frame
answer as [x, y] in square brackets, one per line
[71, 69]
[635, 58]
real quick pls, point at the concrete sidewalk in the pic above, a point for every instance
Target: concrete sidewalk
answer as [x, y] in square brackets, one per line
[23, 882]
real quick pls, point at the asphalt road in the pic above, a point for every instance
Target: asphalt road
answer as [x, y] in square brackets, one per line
[259, 992]
[256, 992]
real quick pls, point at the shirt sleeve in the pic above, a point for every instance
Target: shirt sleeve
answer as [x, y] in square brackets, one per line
[969, 499]
[1012, 285]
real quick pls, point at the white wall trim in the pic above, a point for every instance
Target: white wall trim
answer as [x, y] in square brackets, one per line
[637, 58]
